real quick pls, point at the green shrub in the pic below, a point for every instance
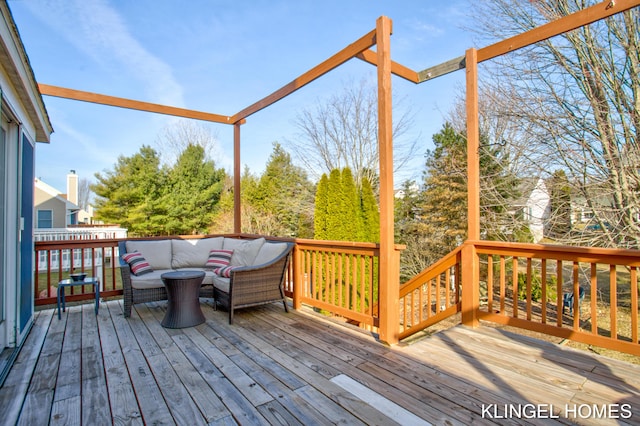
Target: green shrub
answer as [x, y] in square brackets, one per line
[536, 287]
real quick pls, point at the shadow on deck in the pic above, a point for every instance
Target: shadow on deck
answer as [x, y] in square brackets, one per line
[276, 368]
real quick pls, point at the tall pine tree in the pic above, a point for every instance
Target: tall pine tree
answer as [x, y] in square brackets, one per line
[342, 211]
[350, 213]
[130, 194]
[370, 213]
[285, 193]
[193, 190]
[321, 212]
[335, 220]
[444, 205]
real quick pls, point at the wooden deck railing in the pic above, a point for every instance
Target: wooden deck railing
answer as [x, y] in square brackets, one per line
[55, 260]
[524, 285]
[431, 296]
[338, 277]
[521, 285]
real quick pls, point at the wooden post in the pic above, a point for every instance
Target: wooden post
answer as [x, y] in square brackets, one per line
[389, 279]
[470, 285]
[237, 207]
[298, 279]
[470, 261]
[473, 146]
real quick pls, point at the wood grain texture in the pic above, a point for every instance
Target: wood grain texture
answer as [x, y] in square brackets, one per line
[271, 367]
[96, 98]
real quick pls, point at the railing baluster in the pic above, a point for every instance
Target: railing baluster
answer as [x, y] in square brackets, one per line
[543, 283]
[514, 278]
[559, 303]
[576, 296]
[613, 301]
[490, 283]
[503, 279]
[633, 273]
[594, 298]
[528, 284]
[429, 298]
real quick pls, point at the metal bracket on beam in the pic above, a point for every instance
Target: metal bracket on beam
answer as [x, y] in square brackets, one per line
[442, 69]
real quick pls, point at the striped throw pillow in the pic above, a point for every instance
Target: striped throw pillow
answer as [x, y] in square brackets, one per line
[225, 271]
[218, 258]
[137, 263]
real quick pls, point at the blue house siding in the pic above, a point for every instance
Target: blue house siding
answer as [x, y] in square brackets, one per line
[26, 240]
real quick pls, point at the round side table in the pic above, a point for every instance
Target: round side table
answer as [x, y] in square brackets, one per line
[183, 294]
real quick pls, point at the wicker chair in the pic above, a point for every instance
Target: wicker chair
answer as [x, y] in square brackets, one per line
[255, 285]
[133, 296]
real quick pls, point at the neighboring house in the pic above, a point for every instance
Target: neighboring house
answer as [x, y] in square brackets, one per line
[57, 210]
[601, 205]
[534, 205]
[52, 208]
[58, 217]
[23, 122]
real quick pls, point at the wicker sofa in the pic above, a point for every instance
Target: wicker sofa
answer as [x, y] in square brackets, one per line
[254, 274]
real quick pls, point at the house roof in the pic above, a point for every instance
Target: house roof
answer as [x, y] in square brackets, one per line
[526, 186]
[54, 193]
[15, 62]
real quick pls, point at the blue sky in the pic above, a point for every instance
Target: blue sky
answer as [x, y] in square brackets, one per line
[220, 57]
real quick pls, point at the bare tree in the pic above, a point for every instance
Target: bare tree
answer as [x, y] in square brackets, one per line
[505, 166]
[177, 136]
[342, 131]
[84, 193]
[575, 99]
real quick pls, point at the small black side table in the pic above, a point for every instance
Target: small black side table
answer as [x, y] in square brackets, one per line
[183, 294]
[95, 282]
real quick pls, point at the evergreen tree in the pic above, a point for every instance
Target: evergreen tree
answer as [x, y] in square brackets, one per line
[406, 207]
[560, 209]
[408, 231]
[151, 200]
[321, 212]
[444, 206]
[285, 193]
[344, 213]
[129, 195]
[193, 190]
[370, 213]
[350, 211]
[335, 221]
[223, 220]
[435, 222]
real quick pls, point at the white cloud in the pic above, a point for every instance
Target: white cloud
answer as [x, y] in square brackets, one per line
[96, 29]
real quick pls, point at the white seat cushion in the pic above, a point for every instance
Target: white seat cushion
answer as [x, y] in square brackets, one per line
[154, 280]
[150, 280]
[221, 283]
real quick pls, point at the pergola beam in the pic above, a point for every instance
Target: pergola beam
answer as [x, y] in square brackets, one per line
[314, 73]
[79, 95]
[562, 25]
[578, 19]
[447, 67]
[396, 69]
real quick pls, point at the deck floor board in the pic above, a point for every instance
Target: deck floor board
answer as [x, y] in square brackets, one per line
[271, 367]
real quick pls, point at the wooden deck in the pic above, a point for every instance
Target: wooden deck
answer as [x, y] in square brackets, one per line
[276, 368]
